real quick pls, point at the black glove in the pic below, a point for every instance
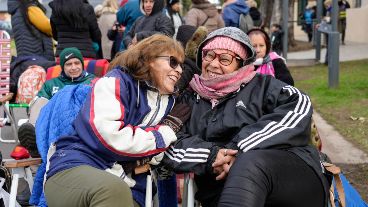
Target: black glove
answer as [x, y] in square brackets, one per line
[178, 116]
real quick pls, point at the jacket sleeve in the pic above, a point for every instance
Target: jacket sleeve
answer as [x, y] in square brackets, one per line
[45, 91]
[122, 16]
[130, 35]
[190, 154]
[39, 20]
[282, 73]
[163, 25]
[102, 124]
[286, 122]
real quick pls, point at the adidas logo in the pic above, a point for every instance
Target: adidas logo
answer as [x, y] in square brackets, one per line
[240, 104]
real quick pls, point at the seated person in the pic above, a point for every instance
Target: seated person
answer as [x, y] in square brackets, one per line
[268, 61]
[247, 138]
[71, 62]
[117, 129]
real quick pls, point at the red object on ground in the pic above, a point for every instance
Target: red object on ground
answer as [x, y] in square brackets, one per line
[19, 153]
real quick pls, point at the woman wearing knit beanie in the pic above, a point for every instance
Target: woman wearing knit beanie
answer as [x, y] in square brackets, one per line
[247, 138]
[172, 10]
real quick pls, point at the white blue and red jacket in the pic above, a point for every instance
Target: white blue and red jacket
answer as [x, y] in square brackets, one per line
[119, 122]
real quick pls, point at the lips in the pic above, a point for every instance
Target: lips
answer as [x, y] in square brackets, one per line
[213, 74]
[174, 78]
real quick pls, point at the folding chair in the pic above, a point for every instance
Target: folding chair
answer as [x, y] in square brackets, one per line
[5, 95]
[20, 169]
[188, 194]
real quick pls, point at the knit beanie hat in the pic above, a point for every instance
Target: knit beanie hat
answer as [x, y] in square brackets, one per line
[69, 53]
[185, 32]
[172, 2]
[222, 42]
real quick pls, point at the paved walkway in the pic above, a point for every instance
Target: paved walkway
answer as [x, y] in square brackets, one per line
[336, 146]
[349, 51]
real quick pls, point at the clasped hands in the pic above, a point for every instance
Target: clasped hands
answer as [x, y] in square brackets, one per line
[224, 160]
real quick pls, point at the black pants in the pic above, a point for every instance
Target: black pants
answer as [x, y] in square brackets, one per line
[271, 178]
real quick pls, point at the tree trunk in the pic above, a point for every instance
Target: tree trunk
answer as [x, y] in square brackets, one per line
[266, 8]
[291, 37]
[277, 12]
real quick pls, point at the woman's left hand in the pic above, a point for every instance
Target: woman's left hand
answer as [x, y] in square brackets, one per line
[224, 160]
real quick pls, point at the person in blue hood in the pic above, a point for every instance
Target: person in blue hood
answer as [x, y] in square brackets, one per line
[232, 10]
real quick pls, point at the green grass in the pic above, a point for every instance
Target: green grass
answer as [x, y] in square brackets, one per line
[339, 105]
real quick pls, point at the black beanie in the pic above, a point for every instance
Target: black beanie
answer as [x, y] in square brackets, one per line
[185, 32]
[172, 2]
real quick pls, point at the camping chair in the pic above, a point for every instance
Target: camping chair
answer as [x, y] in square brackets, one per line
[5, 95]
[97, 67]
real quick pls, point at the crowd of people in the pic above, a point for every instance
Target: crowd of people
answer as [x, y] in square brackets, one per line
[194, 93]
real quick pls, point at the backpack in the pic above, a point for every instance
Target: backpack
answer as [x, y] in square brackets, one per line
[245, 22]
[30, 82]
[342, 193]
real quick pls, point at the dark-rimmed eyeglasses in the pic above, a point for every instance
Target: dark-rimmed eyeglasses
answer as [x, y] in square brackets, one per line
[225, 59]
[173, 62]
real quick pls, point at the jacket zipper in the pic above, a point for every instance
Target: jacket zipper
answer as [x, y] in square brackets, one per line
[156, 111]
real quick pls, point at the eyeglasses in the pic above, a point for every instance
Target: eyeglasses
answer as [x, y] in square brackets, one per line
[173, 62]
[224, 58]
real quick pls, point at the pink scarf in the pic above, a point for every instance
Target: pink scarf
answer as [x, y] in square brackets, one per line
[218, 87]
[267, 66]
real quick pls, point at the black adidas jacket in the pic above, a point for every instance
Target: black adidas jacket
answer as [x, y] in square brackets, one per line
[265, 113]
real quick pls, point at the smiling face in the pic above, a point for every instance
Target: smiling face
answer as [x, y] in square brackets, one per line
[73, 68]
[164, 76]
[259, 44]
[148, 6]
[212, 69]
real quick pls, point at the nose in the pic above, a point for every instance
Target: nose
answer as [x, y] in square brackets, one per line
[215, 62]
[179, 69]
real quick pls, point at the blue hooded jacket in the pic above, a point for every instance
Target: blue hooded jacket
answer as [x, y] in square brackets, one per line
[232, 12]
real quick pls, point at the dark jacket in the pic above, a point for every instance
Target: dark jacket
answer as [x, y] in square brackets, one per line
[82, 38]
[117, 38]
[276, 41]
[265, 113]
[145, 26]
[189, 69]
[29, 41]
[256, 16]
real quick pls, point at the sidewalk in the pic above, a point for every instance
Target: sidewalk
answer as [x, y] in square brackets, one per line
[336, 146]
[349, 51]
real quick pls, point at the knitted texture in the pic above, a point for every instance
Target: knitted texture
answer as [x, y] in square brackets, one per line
[69, 53]
[221, 42]
[214, 89]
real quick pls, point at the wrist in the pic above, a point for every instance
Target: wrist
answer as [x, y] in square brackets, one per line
[173, 122]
